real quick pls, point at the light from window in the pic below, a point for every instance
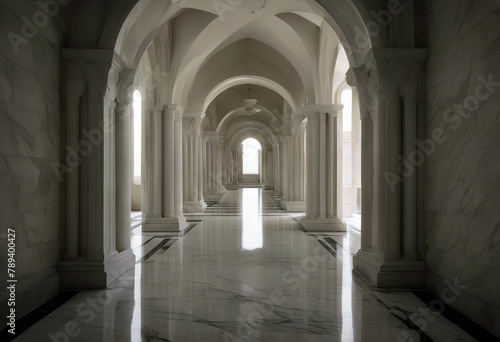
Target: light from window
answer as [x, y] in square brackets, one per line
[137, 127]
[251, 148]
[346, 99]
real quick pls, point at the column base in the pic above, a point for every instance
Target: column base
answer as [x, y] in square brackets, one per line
[214, 196]
[170, 224]
[390, 274]
[194, 206]
[84, 274]
[232, 186]
[294, 206]
[323, 225]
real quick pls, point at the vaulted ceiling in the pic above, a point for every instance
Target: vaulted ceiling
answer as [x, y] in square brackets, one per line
[211, 52]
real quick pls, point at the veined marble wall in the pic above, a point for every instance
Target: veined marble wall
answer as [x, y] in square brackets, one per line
[462, 175]
[29, 145]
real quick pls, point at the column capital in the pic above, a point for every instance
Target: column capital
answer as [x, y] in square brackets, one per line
[330, 109]
[284, 138]
[173, 111]
[191, 123]
[357, 77]
[125, 87]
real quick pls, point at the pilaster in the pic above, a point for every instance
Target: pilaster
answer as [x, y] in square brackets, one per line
[97, 231]
[389, 85]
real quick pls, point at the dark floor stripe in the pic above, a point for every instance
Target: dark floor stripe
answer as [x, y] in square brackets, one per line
[187, 230]
[465, 323]
[408, 322]
[153, 251]
[325, 246]
[332, 243]
[27, 321]
[145, 242]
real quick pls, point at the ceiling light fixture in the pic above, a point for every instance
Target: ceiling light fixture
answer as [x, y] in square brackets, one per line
[250, 104]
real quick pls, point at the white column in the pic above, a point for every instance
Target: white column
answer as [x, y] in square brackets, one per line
[277, 169]
[393, 198]
[216, 189]
[260, 167]
[90, 255]
[388, 255]
[201, 167]
[295, 183]
[270, 168]
[154, 163]
[172, 218]
[239, 155]
[321, 209]
[193, 173]
[123, 177]
[178, 111]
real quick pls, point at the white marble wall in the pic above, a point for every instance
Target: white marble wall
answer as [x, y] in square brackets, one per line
[463, 174]
[29, 145]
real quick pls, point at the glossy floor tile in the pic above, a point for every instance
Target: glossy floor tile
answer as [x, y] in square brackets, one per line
[246, 272]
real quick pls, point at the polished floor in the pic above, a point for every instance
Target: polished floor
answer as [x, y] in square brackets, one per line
[243, 271]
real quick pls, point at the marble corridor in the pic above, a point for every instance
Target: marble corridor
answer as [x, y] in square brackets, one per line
[243, 271]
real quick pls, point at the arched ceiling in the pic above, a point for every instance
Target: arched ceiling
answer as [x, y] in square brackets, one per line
[211, 51]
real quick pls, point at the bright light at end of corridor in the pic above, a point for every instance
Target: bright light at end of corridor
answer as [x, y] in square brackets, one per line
[252, 220]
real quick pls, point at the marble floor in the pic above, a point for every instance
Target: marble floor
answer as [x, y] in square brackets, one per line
[243, 271]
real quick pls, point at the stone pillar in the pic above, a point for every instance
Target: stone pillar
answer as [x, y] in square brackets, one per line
[410, 186]
[277, 169]
[193, 171]
[388, 87]
[199, 155]
[270, 169]
[232, 165]
[123, 176]
[172, 218]
[295, 201]
[356, 146]
[321, 211]
[285, 167]
[72, 246]
[261, 168]
[214, 189]
[154, 159]
[97, 247]
[239, 155]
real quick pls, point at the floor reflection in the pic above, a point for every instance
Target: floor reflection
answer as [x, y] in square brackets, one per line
[252, 219]
[347, 303]
[207, 286]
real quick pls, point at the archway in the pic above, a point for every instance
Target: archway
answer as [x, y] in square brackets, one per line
[252, 161]
[134, 28]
